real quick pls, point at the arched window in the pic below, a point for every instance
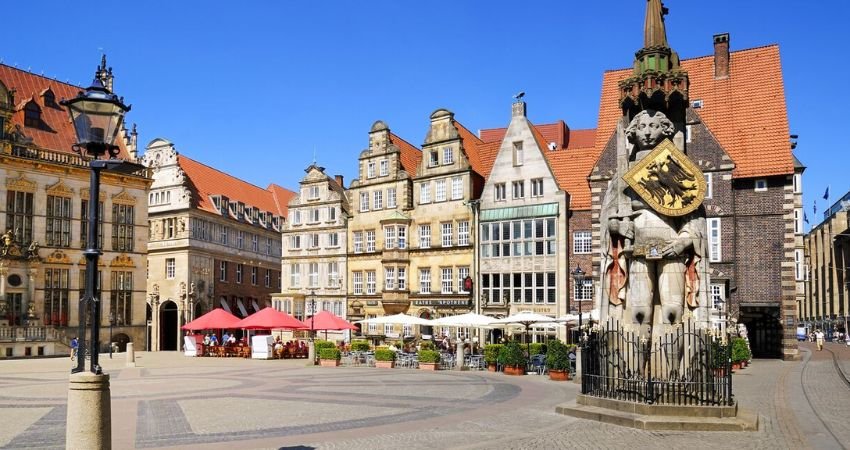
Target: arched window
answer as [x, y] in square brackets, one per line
[32, 115]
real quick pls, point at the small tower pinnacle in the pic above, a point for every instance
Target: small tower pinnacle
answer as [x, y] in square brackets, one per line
[104, 74]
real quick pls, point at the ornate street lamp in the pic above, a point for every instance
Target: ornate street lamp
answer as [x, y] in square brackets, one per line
[97, 115]
[578, 289]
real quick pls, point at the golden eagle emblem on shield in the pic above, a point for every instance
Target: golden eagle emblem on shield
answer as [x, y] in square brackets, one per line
[668, 181]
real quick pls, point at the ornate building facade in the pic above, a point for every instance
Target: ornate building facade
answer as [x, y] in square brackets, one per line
[45, 197]
[214, 243]
[314, 264]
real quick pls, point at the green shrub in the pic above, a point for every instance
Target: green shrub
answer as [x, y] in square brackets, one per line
[740, 352]
[320, 344]
[491, 353]
[427, 345]
[330, 353]
[537, 348]
[511, 355]
[558, 356]
[718, 355]
[384, 354]
[360, 346]
[429, 356]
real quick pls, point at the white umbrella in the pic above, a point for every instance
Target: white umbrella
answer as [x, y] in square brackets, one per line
[398, 319]
[464, 320]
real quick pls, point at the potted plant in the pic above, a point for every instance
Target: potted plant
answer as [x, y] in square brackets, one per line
[512, 359]
[491, 356]
[360, 346]
[537, 348]
[429, 359]
[427, 345]
[384, 358]
[558, 361]
[740, 352]
[329, 357]
[718, 358]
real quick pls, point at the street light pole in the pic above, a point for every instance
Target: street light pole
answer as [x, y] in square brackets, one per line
[111, 324]
[311, 350]
[97, 115]
[578, 288]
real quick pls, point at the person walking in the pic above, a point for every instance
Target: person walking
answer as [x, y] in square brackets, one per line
[74, 346]
[819, 338]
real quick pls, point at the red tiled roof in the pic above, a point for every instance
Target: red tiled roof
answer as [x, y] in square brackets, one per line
[557, 132]
[208, 181]
[746, 112]
[488, 152]
[57, 132]
[582, 138]
[410, 155]
[571, 167]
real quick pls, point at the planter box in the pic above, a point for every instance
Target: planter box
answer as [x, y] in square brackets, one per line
[428, 366]
[491, 367]
[329, 362]
[559, 375]
[385, 364]
[514, 370]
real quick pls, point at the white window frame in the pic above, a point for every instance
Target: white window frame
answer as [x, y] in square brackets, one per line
[462, 273]
[379, 200]
[314, 240]
[760, 185]
[391, 198]
[370, 169]
[384, 167]
[463, 232]
[222, 271]
[518, 153]
[402, 278]
[254, 275]
[424, 193]
[714, 241]
[582, 242]
[401, 231]
[296, 217]
[239, 269]
[518, 189]
[425, 281]
[313, 274]
[333, 274]
[440, 190]
[314, 215]
[389, 278]
[331, 213]
[537, 187]
[447, 280]
[170, 268]
[268, 278]
[357, 283]
[584, 291]
[798, 183]
[425, 236]
[371, 281]
[709, 184]
[313, 192]
[798, 220]
[358, 242]
[448, 155]
[799, 265]
[364, 201]
[370, 241]
[717, 295]
[457, 188]
[333, 240]
[499, 192]
[295, 275]
[389, 237]
[446, 231]
[433, 158]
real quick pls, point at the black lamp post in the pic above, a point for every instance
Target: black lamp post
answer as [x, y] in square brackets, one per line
[578, 290]
[312, 349]
[97, 115]
[111, 324]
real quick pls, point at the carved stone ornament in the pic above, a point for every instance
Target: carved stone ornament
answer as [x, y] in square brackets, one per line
[668, 181]
[122, 260]
[57, 257]
[21, 183]
[124, 198]
[60, 189]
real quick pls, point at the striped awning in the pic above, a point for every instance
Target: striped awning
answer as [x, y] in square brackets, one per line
[519, 212]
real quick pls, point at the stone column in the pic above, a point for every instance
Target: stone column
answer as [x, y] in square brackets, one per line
[89, 421]
[131, 355]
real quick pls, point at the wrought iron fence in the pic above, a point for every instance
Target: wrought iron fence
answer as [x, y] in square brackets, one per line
[688, 365]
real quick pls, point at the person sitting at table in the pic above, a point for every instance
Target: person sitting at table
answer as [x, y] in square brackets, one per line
[225, 338]
[213, 340]
[278, 348]
[232, 339]
[207, 340]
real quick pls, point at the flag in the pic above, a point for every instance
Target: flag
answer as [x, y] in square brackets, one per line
[805, 217]
[826, 194]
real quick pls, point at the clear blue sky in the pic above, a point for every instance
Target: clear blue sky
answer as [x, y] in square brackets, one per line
[253, 87]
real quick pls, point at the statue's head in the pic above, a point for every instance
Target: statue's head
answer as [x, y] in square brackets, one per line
[649, 128]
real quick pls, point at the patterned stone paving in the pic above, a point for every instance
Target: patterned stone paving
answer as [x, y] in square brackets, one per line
[174, 401]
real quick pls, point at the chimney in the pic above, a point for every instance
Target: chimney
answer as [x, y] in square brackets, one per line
[721, 55]
[339, 179]
[518, 108]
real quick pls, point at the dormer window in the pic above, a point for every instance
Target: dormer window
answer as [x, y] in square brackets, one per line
[49, 99]
[313, 193]
[434, 158]
[32, 115]
[448, 156]
[370, 169]
[385, 167]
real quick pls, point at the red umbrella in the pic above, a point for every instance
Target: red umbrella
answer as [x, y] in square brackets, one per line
[213, 320]
[270, 319]
[326, 320]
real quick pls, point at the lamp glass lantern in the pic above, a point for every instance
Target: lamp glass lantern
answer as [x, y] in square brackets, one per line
[97, 115]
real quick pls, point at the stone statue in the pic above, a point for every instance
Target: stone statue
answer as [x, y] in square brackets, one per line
[653, 269]
[7, 238]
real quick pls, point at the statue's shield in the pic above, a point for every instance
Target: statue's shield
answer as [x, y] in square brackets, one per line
[668, 181]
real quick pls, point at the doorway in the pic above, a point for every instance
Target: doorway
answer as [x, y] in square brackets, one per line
[168, 326]
[14, 308]
[764, 330]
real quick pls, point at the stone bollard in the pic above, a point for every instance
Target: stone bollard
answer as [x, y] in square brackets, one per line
[459, 355]
[577, 375]
[131, 355]
[89, 420]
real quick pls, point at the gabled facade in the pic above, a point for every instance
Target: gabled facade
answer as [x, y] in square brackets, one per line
[314, 262]
[44, 196]
[214, 243]
[522, 240]
[442, 232]
[381, 199]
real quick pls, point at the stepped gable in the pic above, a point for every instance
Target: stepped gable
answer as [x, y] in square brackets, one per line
[208, 181]
[745, 111]
[55, 132]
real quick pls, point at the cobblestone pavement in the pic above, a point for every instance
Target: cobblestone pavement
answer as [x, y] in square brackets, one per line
[172, 401]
